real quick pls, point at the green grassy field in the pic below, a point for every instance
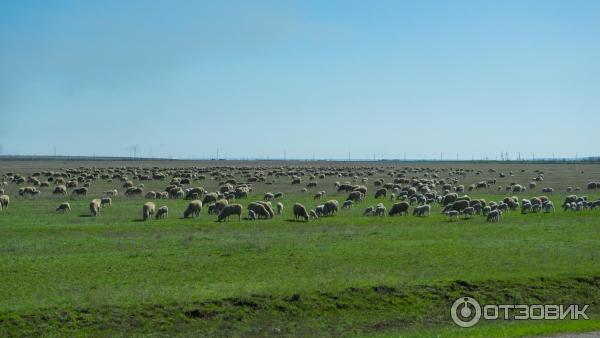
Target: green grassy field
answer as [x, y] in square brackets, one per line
[346, 275]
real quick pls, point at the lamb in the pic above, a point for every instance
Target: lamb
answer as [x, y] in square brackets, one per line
[468, 212]
[422, 210]
[95, 205]
[347, 204]
[105, 201]
[452, 214]
[300, 212]
[494, 216]
[162, 212]
[4, 201]
[193, 209]
[279, 208]
[64, 207]
[230, 210]
[400, 208]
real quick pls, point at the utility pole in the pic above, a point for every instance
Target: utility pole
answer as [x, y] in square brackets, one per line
[217, 154]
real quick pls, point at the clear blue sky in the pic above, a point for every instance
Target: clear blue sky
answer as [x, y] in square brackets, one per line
[316, 78]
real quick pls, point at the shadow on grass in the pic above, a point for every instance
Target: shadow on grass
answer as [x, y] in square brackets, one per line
[85, 215]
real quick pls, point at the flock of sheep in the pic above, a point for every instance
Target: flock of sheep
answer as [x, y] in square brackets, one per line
[419, 191]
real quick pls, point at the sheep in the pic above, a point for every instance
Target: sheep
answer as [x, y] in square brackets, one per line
[134, 191]
[453, 214]
[347, 204]
[251, 215]
[400, 208]
[217, 207]
[95, 205]
[379, 210]
[486, 210]
[318, 195]
[105, 201]
[111, 193]
[300, 212]
[381, 193]
[494, 216]
[526, 207]
[230, 210]
[278, 195]
[268, 196]
[458, 205]
[330, 207]
[279, 208]
[355, 196]
[422, 210]
[468, 212]
[4, 201]
[64, 207]
[319, 210]
[151, 195]
[369, 211]
[392, 197]
[210, 198]
[60, 190]
[193, 209]
[595, 205]
[80, 191]
[268, 207]
[260, 210]
[313, 214]
[548, 206]
[148, 210]
[162, 212]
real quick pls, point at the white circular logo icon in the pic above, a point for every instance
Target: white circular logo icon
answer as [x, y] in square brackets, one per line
[465, 312]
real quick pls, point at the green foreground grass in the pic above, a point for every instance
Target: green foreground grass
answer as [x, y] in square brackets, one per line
[345, 275]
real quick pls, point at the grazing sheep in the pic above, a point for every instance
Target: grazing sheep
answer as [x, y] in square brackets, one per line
[151, 195]
[400, 208]
[313, 214]
[279, 208]
[4, 201]
[379, 210]
[548, 206]
[260, 210]
[105, 201]
[95, 205]
[210, 198]
[278, 195]
[268, 196]
[494, 216]
[330, 207]
[251, 215]
[453, 214]
[468, 212]
[381, 193]
[217, 207]
[64, 207]
[60, 190]
[422, 210]
[230, 210]
[148, 210]
[162, 212]
[355, 196]
[347, 204]
[80, 191]
[368, 211]
[134, 191]
[111, 193]
[300, 212]
[193, 209]
[595, 205]
[318, 195]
